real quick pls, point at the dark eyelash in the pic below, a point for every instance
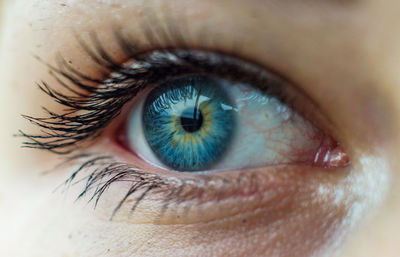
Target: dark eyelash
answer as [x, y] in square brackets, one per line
[92, 103]
[89, 108]
[102, 171]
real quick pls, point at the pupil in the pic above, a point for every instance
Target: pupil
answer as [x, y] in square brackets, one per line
[191, 119]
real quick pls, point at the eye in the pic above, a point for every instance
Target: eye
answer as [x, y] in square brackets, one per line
[202, 122]
[195, 112]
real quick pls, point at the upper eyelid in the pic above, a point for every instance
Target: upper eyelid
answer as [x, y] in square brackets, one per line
[87, 96]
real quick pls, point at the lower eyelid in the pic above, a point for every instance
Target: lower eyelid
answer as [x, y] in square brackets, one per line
[178, 199]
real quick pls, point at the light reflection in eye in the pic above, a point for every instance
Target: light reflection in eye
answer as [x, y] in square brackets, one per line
[232, 126]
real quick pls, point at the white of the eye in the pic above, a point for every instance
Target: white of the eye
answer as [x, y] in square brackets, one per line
[267, 130]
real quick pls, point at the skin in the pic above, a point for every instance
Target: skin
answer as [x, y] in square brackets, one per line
[342, 55]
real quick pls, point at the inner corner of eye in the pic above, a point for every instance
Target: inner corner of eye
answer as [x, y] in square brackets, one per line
[198, 123]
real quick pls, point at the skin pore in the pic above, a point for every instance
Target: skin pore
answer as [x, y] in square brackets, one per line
[344, 55]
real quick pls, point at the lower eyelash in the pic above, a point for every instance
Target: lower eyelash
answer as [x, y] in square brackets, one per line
[98, 172]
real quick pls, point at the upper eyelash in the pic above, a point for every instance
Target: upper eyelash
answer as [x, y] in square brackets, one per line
[92, 103]
[99, 105]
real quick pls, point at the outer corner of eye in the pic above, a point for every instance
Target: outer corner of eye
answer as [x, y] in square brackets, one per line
[330, 154]
[209, 122]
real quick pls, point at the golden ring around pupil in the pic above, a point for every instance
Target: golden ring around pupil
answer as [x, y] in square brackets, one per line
[180, 136]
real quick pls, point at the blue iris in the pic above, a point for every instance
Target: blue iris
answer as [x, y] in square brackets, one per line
[189, 122]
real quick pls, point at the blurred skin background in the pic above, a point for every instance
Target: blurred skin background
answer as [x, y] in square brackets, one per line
[344, 55]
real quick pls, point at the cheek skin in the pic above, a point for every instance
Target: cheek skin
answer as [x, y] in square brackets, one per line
[289, 206]
[276, 224]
